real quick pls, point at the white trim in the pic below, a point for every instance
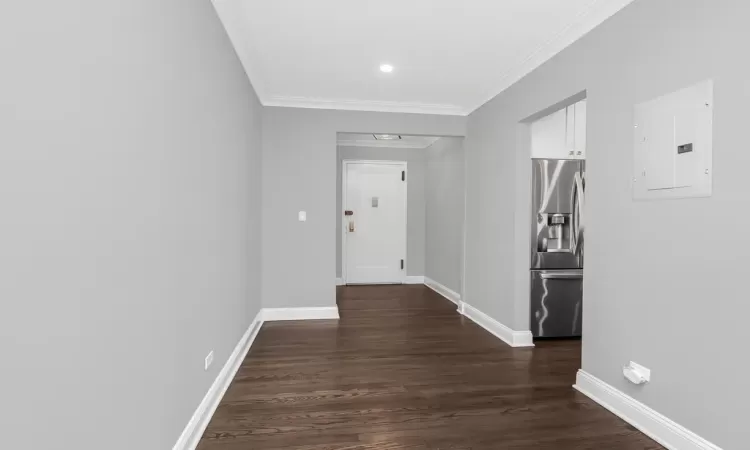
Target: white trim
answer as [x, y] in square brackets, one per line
[464, 229]
[193, 432]
[340, 282]
[364, 105]
[509, 336]
[651, 423]
[450, 294]
[587, 20]
[382, 162]
[388, 143]
[314, 313]
[412, 279]
[342, 218]
[405, 168]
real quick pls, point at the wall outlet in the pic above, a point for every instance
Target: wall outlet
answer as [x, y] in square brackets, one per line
[209, 360]
[302, 216]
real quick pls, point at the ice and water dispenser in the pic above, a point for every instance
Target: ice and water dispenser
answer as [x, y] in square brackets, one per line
[558, 236]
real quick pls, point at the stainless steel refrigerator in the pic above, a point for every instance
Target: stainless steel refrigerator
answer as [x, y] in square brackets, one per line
[558, 197]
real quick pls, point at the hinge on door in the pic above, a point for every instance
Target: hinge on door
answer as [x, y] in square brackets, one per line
[403, 175]
[402, 264]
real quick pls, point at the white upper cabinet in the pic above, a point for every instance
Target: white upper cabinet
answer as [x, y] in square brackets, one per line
[560, 135]
[570, 132]
[580, 130]
[548, 136]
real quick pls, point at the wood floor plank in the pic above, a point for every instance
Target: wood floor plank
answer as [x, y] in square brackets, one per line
[402, 370]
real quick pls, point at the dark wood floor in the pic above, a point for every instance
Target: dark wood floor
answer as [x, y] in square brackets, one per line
[403, 370]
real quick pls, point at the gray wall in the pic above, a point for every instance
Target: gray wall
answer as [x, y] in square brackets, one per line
[444, 233]
[299, 173]
[661, 279]
[130, 190]
[415, 201]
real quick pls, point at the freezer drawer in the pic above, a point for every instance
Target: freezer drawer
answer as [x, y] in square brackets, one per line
[556, 303]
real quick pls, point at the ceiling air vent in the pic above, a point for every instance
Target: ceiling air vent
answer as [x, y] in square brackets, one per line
[386, 137]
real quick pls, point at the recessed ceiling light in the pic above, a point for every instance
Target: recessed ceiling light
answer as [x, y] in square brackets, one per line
[386, 137]
[387, 68]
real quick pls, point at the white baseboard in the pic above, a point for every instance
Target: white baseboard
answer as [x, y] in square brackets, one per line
[450, 294]
[407, 280]
[193, 432]
[654, 425]
[323, 312]
[509, 336]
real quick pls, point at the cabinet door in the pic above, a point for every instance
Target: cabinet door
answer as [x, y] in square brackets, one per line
[570, 132]
[548, 136]
[657, 143]
[580, 129]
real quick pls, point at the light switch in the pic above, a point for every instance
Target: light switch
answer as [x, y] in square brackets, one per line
[302, 216]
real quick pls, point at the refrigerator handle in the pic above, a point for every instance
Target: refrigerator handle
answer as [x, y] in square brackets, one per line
[580, 202]
[562, 276]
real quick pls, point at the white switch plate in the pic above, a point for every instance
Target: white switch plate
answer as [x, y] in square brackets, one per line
[209, 360]
[302, 216]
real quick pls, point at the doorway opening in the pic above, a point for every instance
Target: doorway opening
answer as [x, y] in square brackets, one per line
[557, 201]
[400, 210]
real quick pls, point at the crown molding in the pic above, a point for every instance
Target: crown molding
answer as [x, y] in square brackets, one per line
[387, 144]
[364, 105]
[591, 17]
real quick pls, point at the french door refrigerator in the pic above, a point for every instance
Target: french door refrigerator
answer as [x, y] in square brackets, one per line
[558, 197]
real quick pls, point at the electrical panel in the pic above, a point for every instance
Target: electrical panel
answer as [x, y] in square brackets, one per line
[673, 145]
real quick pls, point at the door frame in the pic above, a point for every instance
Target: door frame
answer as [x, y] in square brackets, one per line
[344, 166]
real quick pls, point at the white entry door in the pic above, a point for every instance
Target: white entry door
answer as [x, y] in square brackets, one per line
[374, 222]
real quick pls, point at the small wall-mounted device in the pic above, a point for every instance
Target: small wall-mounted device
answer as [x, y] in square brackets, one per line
[636, 373]
[208, 360]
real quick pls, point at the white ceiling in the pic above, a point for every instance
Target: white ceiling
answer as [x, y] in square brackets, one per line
[450, 56]
[368, 140]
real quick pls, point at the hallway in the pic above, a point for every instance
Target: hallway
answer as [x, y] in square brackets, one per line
[403, 370]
